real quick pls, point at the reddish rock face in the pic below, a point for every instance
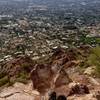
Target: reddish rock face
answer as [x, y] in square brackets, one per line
[18, 65]
[44, 78]
[62, 58]
[41, 78]
[53, 75]
[62, 79]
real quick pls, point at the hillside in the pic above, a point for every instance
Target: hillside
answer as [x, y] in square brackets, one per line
[49, 49]
[60, 73]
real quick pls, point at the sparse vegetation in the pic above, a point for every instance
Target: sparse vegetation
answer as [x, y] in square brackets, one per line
[94, 59]
[4, 80]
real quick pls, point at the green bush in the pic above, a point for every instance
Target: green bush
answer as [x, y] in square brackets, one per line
[94, 59]
[22, 77]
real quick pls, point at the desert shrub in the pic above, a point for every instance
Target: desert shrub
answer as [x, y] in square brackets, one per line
[4, 81]
[94, 59]
[98, 40]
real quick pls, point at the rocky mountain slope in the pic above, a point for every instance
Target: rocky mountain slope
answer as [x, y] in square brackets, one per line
[61, 73]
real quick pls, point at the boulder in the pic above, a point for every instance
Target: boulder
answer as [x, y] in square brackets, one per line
[90, 70]
[62, 79]
[76, 88]
[19, 91]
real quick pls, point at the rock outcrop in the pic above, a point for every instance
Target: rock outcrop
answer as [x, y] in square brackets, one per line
[45, 79]
[41, 77]
[17, 69]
